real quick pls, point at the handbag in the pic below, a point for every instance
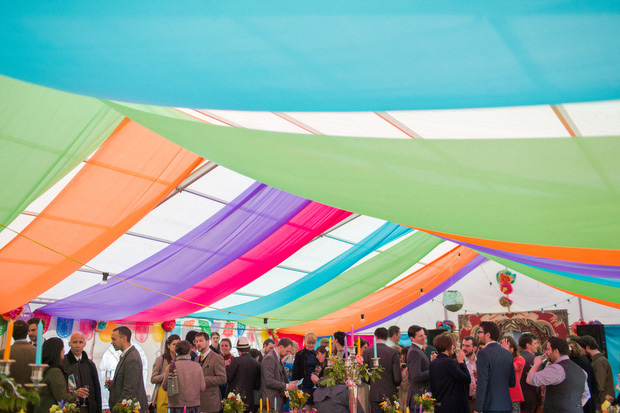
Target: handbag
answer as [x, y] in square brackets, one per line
[173, 385]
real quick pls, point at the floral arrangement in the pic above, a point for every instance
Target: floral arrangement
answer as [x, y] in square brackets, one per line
[297, 398]
[127, 406]
[391, 406]
[606, 407]
[63, 407]
[427, 401]
[15, 397]
[505, 302]
[169, 325]
[506, 277]
[351, 376]
[233, 403]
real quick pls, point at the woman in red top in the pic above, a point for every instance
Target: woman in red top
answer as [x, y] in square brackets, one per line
[516, 395]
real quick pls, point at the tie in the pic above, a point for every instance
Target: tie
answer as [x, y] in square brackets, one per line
[202, 358]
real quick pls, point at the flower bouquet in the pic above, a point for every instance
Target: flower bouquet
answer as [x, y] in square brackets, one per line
[349, 374]
[426, 401]
[63, 407]
[606, 407]
[296, 399]
[391, 406]
[127, 406]
[233, 403]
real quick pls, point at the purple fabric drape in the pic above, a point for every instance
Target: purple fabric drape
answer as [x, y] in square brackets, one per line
[235, 229]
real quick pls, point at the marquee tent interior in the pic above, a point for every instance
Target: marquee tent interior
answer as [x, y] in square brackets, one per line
[309, 165]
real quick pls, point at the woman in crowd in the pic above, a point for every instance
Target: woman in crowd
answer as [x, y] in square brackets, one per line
[516, 394]
[404, 384]
[578, 357]
[225, 347]
[159, 399]
[56, 389]
[190, 378]
[449, 380]
[305, 365]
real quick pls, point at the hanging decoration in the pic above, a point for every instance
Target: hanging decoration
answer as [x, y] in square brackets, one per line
[204, 326]
[101, 325]
[141, 332]
[3, 325]
[26, 313]
[240, 329]
[505, 288]
[446, 325]
[64, 327]
[505, 302]
[105, 335]
[46, 318]
[252, 334]
[168, 326]
[158, 332]
[228, 329]
[215, 326]
[87, 327]
[573, 327]
[264, 334]
[13, 314]
[452, 300]
[506, 277]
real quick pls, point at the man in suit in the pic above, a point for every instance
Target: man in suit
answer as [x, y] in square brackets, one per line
[470, 348]
[33, 327]
[127, 382]
[22, 352]
[214, 369]
[268, 345]
[601, 367]
[274, 381]
[243, 374]
[385, 387]
[496, 372]
[528, 343]
[84, 371]
[393, 336]
[417, 365]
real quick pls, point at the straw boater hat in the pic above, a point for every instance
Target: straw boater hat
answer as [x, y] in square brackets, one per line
[243, 344]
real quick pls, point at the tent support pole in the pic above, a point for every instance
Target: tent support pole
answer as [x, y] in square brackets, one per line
[580, 309]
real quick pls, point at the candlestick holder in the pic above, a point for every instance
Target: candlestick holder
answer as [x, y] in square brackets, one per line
[330, 363]
[5, 366]
[347, 363]
[375, 362]
[352, 350]
[37, 375]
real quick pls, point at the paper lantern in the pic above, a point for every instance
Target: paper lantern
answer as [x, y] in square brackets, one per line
[505, 302]
[505, 288]
[105, 335]
[158, 333]
[452, 300]
[101, 325]
[506, 277]
[446, 325]
[168, 326]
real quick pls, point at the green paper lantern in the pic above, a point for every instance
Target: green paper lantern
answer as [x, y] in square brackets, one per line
[452, 300]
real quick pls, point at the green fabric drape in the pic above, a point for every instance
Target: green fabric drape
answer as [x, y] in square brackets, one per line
[559, 192]
[44, 134]
[353, 284]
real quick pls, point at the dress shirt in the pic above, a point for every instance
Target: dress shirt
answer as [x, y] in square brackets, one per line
[554, 374]
[124, 351]
[419, 345]
[204, 355]
[471, 366]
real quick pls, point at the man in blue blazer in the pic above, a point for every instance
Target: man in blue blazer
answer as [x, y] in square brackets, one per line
[496, 372]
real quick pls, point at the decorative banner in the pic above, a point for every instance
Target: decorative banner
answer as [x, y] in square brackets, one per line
[251, 334]
[87, 327]
[240, 329]
[215, 326]
[3, 325]
[13, 314]
[101, 325]
[168, 326]
[228, 329]
[204, 326]
[105, 335]
[64, 327]
[46, 318]
[26, 314]
[158, 332]
[142, 332]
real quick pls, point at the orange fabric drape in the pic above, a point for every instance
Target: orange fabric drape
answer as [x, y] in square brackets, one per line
[585, 255]
[389, 299]
[124, 180]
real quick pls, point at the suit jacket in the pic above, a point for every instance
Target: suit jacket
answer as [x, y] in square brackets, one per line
[418, 369]
[384, 387]
[273, 379]
[214, 370]
[23, 353]
[244, 377]
[85, 373]
[496, 374]
[450, 384]
[128, 381]
[531, 394]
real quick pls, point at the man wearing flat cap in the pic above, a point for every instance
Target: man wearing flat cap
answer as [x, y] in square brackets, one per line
[243, 374]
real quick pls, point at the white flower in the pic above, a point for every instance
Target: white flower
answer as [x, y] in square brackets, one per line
[124, 402]
[137, 405]
[238, 397]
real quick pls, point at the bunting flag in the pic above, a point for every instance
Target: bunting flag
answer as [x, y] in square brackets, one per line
[87, 327]
[64, 327]
[240, 329]
[204, 326]
[141, 332]
[228, 329]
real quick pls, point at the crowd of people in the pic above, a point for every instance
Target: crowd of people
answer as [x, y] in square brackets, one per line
[485, 373]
